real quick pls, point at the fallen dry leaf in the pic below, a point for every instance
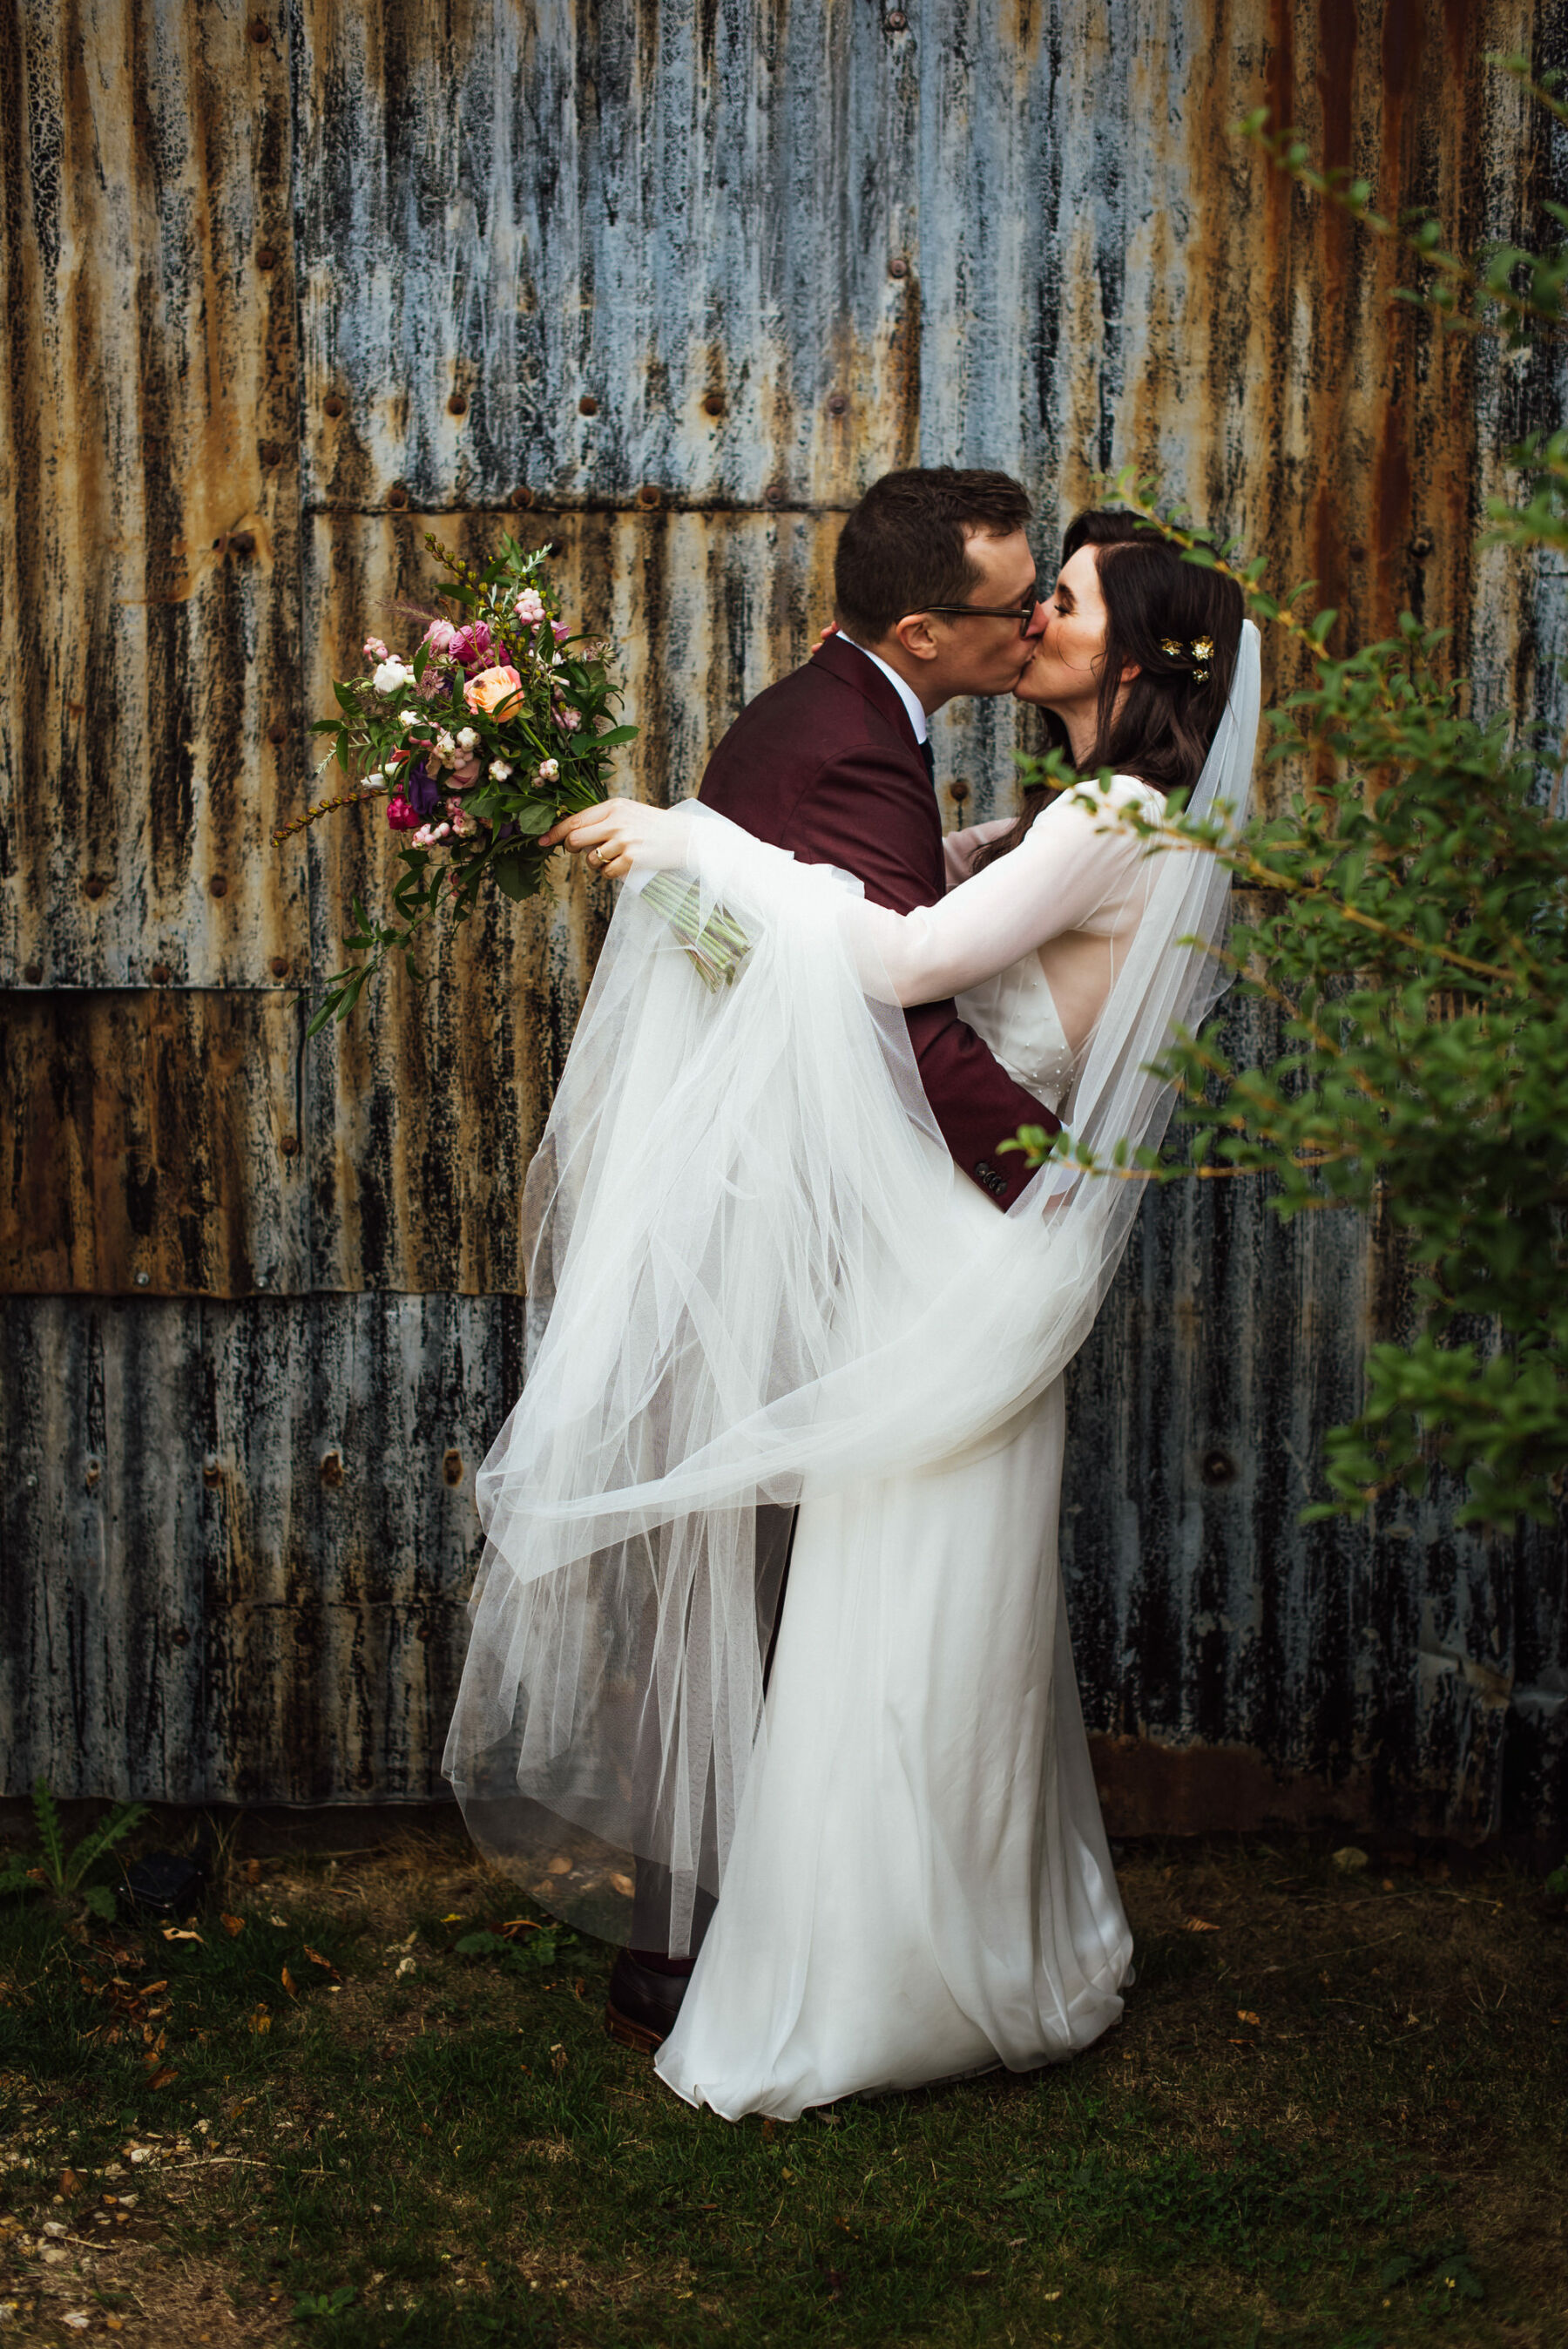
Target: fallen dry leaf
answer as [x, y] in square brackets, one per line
[1242, 2015]
[69, 2183]
[179, 1933]
[287, 1980]
[325, 1963]
[164, 2075]
[1199, 1925]
[232, 1926]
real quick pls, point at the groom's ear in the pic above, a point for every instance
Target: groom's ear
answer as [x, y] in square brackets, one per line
[913, 635]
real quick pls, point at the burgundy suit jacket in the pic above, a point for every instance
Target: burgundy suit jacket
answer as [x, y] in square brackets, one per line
[825, 764]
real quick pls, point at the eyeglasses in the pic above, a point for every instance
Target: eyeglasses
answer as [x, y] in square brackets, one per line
[1023, 613]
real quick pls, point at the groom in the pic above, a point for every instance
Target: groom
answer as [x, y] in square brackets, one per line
[935, 595]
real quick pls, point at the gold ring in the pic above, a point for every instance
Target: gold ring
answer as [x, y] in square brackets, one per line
[598, 854]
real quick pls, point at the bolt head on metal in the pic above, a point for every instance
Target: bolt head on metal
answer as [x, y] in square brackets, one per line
[94, 887]
[587, 405]
[457, 404]
[773, 495]
[142, 1278]
[219, 885]
[289, 1145]
[1421, 546]
[277, 731]
[333, 405]
[161, 974]
[278, 966]
[33, 974]
[266, 256]
[838, 405]
[896, 21]
[260, 31]
[898, 266]
[713, 403]
[520, 500]
[650, 495]
[958, 791]
[398, 496]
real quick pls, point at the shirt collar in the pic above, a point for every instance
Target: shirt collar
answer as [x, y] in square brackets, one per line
[906, 693]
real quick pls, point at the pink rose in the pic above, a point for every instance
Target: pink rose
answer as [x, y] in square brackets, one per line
[400, 815]
[468, 773]
[440, 635]
[493, 691]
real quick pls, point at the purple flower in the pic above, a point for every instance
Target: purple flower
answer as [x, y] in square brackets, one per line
[423, 791]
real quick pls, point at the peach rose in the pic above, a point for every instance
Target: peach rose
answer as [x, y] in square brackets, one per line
[493, 691]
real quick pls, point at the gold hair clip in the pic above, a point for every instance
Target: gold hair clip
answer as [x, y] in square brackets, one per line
[1201, 651]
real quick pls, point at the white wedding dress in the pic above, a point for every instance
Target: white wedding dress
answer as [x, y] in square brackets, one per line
[757, 1283]
[919, 1884]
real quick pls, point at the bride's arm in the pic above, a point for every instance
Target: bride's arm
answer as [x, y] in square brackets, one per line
[1072, 859]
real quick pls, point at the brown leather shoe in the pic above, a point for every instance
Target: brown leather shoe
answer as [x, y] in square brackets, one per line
[642, 2007]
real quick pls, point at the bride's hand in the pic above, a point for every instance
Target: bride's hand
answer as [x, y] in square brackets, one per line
[611, 834]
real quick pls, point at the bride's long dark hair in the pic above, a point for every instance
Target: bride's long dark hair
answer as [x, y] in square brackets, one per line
[1163, 729]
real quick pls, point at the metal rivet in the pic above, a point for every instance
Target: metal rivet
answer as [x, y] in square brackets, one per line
[452, 1467]
[242, 542]
[397, 495]
[958, 791]
[587, 405]
[161, 974]
[34, 974]
[271, 452]
[289, 1145]
[212, 1474]
[334, 404]
[266, 256]
[180, 1638]
[331, 1466]
[520, 500]
[260, 31]
[1217, 1467]
[1421, 546]
[458, 405]
[94, 885]
[714, 403]
[423, 1633]
[278, 966]
[896, 21]
[773, 495]
[142, 1279]
[1356, 552]
[91, 1475]
[219, 885]
[838, 405]
[650, 495]
[277, 731]
[898, 266]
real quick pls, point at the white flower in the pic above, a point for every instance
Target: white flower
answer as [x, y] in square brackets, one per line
[500, 769]
[529, 607]
[467, 737]
[404, 718]
[445, 746]
[429, 833]
[549, 771]
[390, 675]
[374, 782]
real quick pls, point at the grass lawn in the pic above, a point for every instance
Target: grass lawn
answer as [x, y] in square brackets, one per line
[1332, 2113]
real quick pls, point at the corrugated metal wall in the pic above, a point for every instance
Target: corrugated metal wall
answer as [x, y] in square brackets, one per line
[667, 285]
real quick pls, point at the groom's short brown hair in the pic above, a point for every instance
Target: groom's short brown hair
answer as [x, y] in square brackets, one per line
[905, 546]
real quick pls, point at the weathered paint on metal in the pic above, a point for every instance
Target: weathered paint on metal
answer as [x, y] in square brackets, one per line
[666, 287]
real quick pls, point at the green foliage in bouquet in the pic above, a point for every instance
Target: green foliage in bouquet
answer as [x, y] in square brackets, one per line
[1412, 931]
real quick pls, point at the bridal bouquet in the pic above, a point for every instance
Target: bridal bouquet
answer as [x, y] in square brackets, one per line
[499, 723]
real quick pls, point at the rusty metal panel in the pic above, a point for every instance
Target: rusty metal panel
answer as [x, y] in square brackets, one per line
[154, 1144]
[667, 286]
[150, 489]
[249, 1531]
[697, 221]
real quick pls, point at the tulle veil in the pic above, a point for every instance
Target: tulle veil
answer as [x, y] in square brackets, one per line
[747, 1288]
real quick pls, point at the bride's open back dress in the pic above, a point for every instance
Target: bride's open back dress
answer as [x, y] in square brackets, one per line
[757, 1283]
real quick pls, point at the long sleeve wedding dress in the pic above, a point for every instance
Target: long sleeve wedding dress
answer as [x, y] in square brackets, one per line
[760, 1283]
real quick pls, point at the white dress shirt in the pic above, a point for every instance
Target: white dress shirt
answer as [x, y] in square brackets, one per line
[906, 693]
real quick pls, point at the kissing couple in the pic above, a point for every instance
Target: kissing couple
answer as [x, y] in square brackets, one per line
[770, 1677]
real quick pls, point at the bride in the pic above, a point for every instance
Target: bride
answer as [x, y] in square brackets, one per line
[758, 1283]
